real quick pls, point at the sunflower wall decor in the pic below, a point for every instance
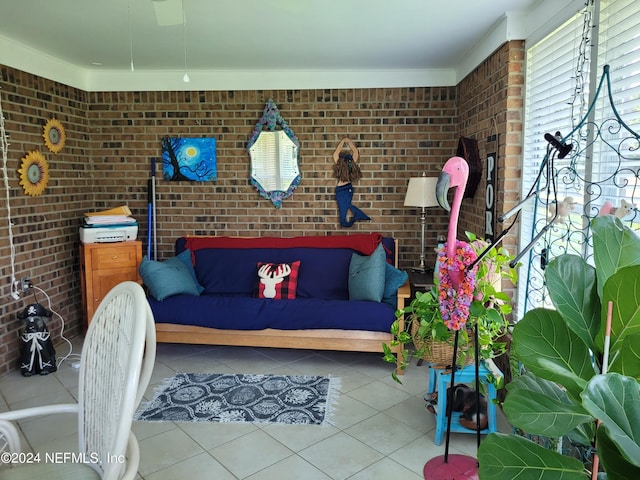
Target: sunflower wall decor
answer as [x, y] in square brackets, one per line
[34, 173]
[54, 136]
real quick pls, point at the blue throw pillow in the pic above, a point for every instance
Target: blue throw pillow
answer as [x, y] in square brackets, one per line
[394, 279]
[186, 258]
[367, 275]
[164, 279]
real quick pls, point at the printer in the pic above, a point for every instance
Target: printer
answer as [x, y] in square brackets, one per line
[108, 233]
[115, 225]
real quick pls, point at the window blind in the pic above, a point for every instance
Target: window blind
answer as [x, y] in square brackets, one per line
[555, 101]
[550, 66]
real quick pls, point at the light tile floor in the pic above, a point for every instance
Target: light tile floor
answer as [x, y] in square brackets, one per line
[380, 429]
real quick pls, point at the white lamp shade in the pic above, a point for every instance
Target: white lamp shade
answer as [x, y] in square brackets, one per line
[421, 192]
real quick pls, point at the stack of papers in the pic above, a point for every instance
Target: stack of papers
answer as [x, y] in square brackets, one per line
[114, 217]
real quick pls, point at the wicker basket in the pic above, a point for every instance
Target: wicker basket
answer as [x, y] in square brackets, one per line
[440, 353]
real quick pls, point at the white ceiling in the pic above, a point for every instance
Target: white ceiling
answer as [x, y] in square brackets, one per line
[91, 44]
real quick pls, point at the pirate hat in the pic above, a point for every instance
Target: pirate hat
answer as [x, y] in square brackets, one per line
[468, 149]
[34, 310]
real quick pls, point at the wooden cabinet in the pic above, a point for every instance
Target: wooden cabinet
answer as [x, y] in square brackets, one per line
[102, 267]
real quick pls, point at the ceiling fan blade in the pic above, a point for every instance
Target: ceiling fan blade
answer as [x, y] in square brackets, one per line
[168, 12]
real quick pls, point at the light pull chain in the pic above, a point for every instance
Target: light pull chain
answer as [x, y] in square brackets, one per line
[130, 35]
[185, 78]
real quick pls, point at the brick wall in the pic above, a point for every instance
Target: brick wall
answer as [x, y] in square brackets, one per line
[45, 227]
[399, 133]
[111, 137]
[490, 103]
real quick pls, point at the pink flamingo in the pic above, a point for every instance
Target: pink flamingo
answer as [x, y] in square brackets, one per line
[454, 175]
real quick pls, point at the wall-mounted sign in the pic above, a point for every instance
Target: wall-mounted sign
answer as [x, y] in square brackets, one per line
[490, 196]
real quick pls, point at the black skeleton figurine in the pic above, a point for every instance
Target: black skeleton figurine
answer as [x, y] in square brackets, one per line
[37, 354]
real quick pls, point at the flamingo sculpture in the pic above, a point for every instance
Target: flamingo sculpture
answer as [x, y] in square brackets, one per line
[454, 175]
[455, 283]
[456, 275]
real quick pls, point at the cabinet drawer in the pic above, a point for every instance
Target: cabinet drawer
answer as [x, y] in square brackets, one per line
[114, 257]
[105, 280]
[103, 266]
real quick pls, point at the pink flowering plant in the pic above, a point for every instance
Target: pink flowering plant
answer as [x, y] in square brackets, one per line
[435, 315]
[455, 301]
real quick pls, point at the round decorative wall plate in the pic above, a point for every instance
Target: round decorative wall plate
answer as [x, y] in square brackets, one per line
[34, 173]
[54, 136]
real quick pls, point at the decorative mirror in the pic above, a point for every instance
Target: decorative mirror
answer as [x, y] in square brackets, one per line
[274, 150]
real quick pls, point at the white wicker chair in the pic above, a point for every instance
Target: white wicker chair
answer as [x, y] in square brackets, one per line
[115, 367]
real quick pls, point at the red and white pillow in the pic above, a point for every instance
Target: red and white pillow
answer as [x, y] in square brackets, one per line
[278, 280]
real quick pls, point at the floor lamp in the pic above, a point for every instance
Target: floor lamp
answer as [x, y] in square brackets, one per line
[421, 192]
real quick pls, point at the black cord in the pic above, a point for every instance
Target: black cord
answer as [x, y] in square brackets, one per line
[548, 166]
[551, 182]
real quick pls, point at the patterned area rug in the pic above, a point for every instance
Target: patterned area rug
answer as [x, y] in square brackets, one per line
[213, 397]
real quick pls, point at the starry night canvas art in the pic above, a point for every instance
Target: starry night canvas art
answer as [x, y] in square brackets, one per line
[189, 159]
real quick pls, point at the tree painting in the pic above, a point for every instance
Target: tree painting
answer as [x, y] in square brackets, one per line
[189, 159]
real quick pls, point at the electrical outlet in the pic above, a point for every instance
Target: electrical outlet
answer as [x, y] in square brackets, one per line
[26, 284]
[15, 290]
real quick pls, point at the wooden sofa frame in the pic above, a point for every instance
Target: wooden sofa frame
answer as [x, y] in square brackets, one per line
[312, 339]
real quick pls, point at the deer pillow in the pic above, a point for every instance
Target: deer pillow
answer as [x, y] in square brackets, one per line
[278, 280]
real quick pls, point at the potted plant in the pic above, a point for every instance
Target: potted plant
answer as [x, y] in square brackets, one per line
[423, 328]
[572, 387]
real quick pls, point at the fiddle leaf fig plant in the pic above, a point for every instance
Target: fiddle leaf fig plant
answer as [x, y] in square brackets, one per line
[564, 391]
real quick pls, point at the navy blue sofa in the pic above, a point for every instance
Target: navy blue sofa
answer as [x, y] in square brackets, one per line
[321, 316]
